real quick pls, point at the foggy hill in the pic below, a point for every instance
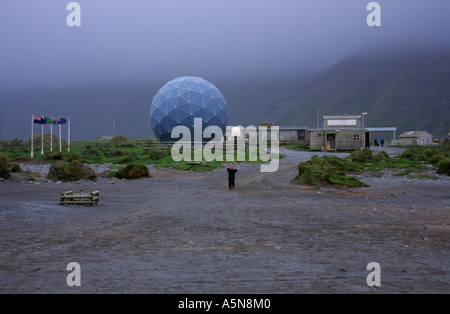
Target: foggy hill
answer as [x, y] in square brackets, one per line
[92, 109]
[408, 90]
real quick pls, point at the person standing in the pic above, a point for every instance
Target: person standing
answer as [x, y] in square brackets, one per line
[382, 142]
[231, 177]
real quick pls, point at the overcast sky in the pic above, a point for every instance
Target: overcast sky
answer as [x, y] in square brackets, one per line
[141, 40]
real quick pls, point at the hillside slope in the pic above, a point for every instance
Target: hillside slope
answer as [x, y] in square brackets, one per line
[408, 90]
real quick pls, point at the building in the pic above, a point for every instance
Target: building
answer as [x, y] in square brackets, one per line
[340, 133]
[289, 134]
[386, 133]
[414, 138]
[286, 134]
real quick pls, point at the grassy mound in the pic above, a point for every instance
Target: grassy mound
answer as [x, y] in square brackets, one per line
[70, 171]
[4, 171]
[133, 171]
[444, 166]
[328, 169]
[438, 156]
[364, 155]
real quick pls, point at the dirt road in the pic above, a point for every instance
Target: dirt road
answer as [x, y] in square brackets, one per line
[184, 232]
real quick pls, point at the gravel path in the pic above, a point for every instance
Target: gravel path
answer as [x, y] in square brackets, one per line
[184, 232]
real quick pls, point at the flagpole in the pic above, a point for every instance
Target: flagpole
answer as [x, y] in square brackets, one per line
[68, 147]
[51, 136]
[42, 140]
[60, 147]
[32, 135]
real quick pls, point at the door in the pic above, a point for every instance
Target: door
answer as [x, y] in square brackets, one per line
[367, 139]
[331, 141]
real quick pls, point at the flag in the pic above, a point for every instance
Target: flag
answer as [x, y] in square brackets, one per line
[59, 121]
[48, 120]
[38, 120]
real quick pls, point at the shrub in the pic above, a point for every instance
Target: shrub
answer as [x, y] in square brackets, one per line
[420, 157]
[361, 155]
[53, 156]
[16, 168]
[436, 159]
[119, 139]
[410, 154]
[4, 171]
[328, 169]
[427, 153]
[444, 166]
[72, 170]
[133, 171]
[381, 156]
[74, 156]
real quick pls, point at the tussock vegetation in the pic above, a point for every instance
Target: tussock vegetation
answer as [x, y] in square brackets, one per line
[333, 170]
[4, 171]
[444, 166]
[438, 156]
[328, 169]
[133, 171]
[15, 167]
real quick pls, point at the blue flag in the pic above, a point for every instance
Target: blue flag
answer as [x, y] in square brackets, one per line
[38, 120]
[59, 121]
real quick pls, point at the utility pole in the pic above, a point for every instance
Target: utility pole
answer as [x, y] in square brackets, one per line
[318, 121]
[363, 140]
[114, 128]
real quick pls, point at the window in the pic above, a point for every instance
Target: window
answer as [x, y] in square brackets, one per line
[347, 122]
[356, 137]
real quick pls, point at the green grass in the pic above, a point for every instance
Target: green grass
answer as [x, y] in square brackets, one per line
[112, 152]
[300, 146]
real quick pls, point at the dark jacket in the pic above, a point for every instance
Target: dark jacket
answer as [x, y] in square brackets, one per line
[231, 173]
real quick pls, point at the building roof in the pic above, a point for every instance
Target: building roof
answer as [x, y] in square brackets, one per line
[382, 129]
[284, 128]
[342, 117]
[415, 134]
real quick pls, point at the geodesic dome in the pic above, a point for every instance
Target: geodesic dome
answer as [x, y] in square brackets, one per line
[183, 99]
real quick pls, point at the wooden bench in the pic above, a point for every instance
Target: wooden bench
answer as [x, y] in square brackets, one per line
[80, 198]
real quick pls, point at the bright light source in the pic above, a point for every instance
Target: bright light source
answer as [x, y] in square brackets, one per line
[235, 131]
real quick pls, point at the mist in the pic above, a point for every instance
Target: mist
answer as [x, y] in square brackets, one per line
[147, 43]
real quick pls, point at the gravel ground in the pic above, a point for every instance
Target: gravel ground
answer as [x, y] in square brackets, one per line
[184, 232]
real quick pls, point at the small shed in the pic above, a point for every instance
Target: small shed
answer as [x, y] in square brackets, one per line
[293, 133]
[414, 138]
